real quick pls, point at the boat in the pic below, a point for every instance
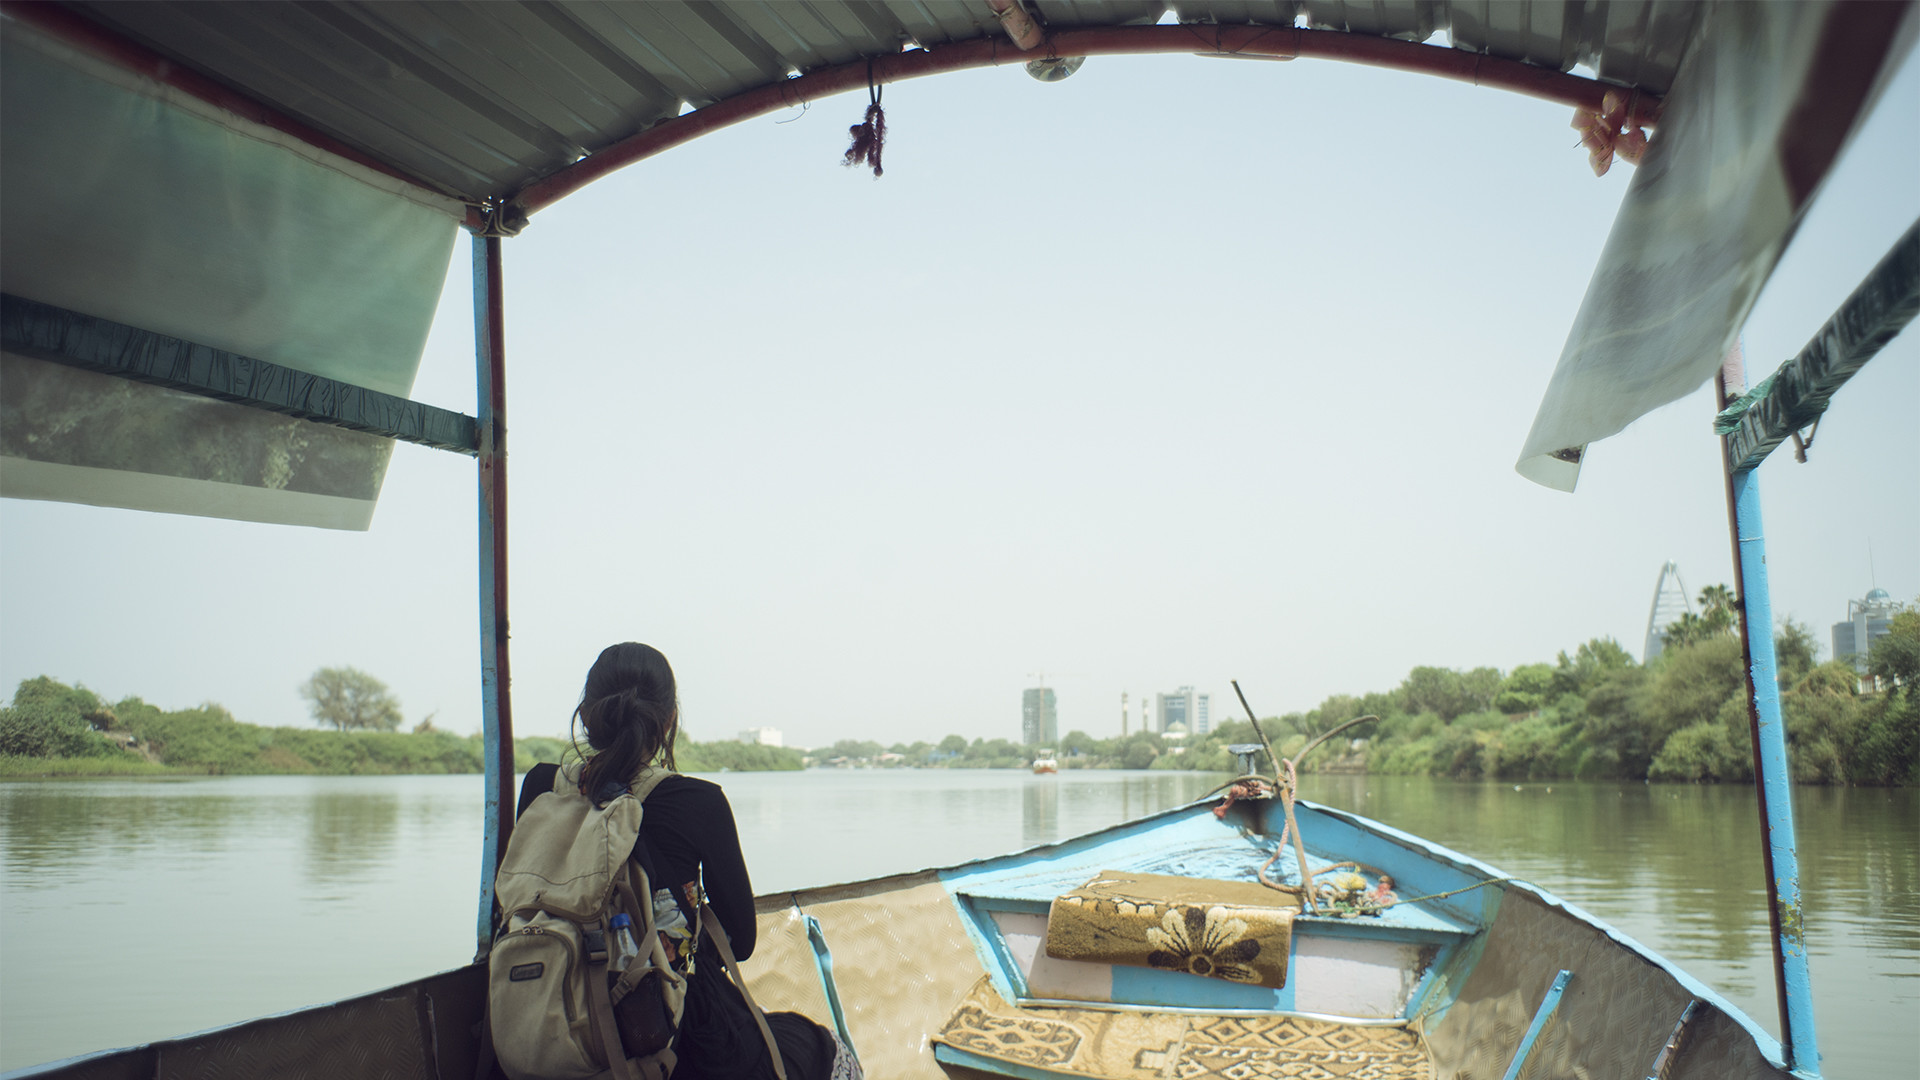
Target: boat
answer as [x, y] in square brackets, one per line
[949, 973]
[350, 143]
[1044, 763]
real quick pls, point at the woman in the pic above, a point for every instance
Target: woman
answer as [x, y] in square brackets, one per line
[630, 714]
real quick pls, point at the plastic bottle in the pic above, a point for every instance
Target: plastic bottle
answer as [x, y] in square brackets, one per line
[625, 949]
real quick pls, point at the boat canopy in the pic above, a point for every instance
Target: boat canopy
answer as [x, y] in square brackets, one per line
[135, 213]
[1756, 119]
[253, 206]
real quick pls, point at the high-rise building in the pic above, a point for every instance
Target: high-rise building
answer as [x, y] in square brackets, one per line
[763, 736]
[1183, 707]
[1867, 621]
[1669, 603]
[1039, 726]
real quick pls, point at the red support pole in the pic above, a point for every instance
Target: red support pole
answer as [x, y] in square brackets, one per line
[489, 342]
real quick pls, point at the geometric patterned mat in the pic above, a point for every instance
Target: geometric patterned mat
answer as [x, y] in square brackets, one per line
[1107, 1045]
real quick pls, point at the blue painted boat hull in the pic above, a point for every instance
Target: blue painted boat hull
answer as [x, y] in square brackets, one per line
[905, 953]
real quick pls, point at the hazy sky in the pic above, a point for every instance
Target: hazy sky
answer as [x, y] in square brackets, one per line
[1179, 371]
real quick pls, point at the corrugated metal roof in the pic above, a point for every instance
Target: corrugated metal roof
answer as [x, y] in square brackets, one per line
[482, 98]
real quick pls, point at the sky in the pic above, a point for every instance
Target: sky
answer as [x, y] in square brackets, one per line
[1179, 371]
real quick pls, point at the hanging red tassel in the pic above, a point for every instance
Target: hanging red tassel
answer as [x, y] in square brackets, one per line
[869, 136]
[868, 139]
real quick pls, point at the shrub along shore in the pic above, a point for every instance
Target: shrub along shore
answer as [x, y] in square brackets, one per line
[52, 729]
[1593, 714]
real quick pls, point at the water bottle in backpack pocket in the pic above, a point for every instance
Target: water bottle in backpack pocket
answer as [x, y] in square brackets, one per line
[642, 1002]
[572, 901]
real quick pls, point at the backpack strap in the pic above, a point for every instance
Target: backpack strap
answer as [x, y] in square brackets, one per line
[635, 885]
[711, 923]
[483, 1062]
[646, 780]
[600, 1004]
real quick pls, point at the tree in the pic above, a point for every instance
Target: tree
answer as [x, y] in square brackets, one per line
[1795, 651]
[1689, 629]
[856, 749]
[1139, 754]
[51, 719]
[1895, 658]
[1719, 614]
[1718, 608]
[1525, 690]
[1691, 687]
[1447, 694]
[351, 699]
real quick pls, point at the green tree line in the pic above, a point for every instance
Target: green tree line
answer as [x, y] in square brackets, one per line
[51, 728]
[1593, 713]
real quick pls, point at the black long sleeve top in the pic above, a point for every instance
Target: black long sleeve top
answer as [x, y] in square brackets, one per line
[686, 834]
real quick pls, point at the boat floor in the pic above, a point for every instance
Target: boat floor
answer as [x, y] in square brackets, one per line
[988, 1034]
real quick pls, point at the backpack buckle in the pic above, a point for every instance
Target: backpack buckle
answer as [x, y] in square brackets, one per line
[596, 943]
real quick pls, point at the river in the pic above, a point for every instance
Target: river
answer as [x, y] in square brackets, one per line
[135, 910]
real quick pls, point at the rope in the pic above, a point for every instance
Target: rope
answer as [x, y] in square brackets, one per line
[1454, 892]
[1288, 781]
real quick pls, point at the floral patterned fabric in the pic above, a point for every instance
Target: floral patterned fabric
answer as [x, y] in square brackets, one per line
[1141, 1045]
[1232, 930]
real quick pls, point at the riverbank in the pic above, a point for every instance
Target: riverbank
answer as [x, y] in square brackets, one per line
[55, 730]
[1594, 714]
[15, 766]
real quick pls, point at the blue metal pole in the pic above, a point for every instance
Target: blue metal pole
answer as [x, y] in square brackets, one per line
[489, 343]
[1542, 1016]
[1773, 783]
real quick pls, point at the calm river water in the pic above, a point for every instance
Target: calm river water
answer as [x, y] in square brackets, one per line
[135, 910]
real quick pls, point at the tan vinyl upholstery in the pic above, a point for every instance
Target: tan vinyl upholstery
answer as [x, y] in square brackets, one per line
[901, 960]
[1618, 1011]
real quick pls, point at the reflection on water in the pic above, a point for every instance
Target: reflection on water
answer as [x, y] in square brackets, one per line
[1040, 811]
[833, 825]
[67, 827]
[350, 834]
[1677, 867]
[347, 884]
[214, 900]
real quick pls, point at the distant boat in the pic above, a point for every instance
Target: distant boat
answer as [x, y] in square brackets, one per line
[1045, 763]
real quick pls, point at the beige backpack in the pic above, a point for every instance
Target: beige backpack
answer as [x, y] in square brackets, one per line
[555, 1010]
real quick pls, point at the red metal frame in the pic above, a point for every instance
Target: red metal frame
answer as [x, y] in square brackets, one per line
[1283, 43]
[490, 348]
[1269, 42]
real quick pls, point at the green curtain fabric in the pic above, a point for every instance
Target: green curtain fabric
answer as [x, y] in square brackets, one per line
[125, 199]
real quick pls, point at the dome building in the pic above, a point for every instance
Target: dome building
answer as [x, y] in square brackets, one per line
[1867, 621]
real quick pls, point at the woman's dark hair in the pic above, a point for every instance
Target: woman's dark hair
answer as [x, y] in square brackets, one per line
[631, 715]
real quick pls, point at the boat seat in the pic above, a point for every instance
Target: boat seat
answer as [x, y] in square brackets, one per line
[1236, 930]
[988, 1034]
[1377, 968]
